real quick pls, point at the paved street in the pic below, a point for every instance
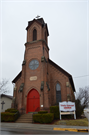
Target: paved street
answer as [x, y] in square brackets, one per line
[28, 128]
[36, 126]
[12, 131]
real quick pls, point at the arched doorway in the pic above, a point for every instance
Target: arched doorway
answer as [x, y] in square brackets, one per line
[33, 101]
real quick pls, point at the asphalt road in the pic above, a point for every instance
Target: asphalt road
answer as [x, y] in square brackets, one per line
[12, 131]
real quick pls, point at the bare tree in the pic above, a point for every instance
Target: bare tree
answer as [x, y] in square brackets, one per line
[83, 96]
[82, 100]
[3, 86]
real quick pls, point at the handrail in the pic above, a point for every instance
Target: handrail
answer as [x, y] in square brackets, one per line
[16, 112]
[37, 109]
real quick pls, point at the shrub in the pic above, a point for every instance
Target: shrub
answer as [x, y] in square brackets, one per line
[43, 118]
[47, 118]
[79, 108]
[9, 117]
[11, 110]
[37, 118]
[55, 110]
[42, 112]
[67, 116]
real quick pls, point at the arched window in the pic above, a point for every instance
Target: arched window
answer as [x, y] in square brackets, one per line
[34, 34]
[58, 93]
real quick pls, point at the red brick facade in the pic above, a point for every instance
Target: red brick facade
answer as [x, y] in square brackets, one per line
[45, 77]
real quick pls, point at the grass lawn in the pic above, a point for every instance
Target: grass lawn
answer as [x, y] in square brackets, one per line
[77, 122]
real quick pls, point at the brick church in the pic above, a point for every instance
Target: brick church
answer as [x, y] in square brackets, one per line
[41, 83]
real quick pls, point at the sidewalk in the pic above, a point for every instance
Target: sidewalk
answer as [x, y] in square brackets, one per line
[44, 127]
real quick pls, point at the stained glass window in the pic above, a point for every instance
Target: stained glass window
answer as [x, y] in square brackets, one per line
[58, 93]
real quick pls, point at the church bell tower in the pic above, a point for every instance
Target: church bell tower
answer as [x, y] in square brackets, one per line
[35, 64]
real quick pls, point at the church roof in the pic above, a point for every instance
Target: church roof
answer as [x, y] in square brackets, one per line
[64, 72]
[8, 96]
[17, 77]
[39, 21]
[56, 66]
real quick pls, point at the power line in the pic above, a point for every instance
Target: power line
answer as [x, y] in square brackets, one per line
[60, 79]
[81, 76]
[68, 77]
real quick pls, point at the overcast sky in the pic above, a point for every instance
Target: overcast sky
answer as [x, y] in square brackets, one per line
[68, 25]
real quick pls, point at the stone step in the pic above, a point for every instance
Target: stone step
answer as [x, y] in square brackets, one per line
[26, 115]
[30, 121]
[24, 122]
[25, 118]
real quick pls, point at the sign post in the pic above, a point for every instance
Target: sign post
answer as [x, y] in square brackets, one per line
[67, 108]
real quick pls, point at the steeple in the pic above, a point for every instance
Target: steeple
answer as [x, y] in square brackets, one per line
[37, 30]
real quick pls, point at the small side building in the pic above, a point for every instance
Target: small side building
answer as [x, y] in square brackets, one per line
[5, 102]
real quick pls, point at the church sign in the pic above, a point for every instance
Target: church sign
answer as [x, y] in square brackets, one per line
[67, 108]
[32, 78]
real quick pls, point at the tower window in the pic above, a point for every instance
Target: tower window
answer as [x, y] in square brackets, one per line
[34, 34]
[45, 36]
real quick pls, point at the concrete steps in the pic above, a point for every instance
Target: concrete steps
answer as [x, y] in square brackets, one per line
[25, 118]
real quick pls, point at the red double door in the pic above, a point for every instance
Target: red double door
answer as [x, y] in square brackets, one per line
[33, 101]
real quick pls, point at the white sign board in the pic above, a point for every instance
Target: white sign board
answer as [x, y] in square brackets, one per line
[32, 78]
[67, 106]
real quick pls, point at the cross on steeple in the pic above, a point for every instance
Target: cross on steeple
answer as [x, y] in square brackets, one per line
[2, 103]
[37, 16]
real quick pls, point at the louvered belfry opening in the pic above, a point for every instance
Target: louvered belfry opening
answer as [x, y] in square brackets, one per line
[45, 36]
[34, 34]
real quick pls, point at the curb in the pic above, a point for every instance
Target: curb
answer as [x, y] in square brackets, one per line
[83, 130]
[71, 129]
